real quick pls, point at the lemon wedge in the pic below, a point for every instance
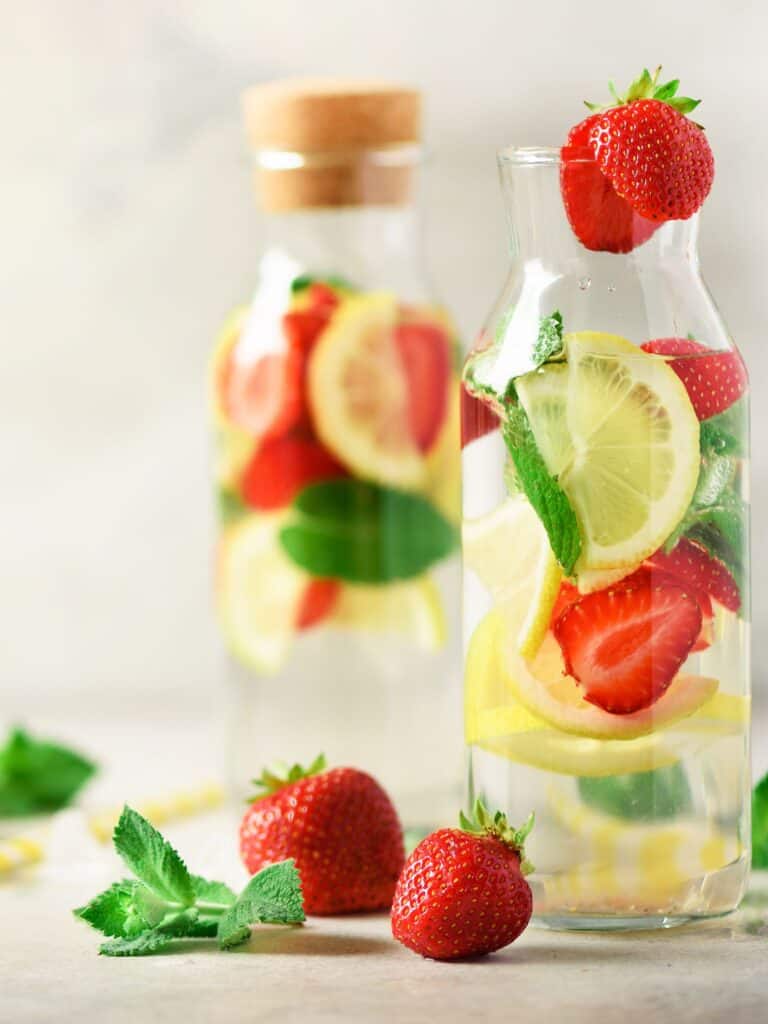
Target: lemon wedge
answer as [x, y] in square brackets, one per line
[412, 609]
[616, 427]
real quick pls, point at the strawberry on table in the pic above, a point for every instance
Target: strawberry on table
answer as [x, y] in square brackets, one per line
[625, 644]
[713, 380]
[650, 164]
[463, 891]
[339, 826]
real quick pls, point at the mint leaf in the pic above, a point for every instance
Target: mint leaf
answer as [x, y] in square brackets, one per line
[178, 926]
[657, 795]
[726, 433]
[549, 342]
[212, 892]
[545, 494]
[115, 911]
[152, 859]
[231, 506]
[303, 281]
[364, 533]
[273, 896]
[760, 824]
[38, 776]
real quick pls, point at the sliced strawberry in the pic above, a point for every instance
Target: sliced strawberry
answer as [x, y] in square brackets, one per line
[477, 418]
[317, 603]
[281, 467]
[266, 397]
[601, 220]
[567, 595]
[321, 297]
[425, 355]
[626, 644]
[713, 380]
[695, 568]
[302, 328]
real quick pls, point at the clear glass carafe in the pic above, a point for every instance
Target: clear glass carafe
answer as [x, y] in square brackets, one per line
[334, 397]
[605, 503]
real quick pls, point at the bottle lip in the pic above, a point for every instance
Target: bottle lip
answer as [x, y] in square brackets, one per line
[403, 154]
[527, 155]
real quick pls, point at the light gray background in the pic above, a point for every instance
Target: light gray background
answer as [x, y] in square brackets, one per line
[127, 232]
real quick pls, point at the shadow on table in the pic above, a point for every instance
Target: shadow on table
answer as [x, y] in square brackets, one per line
[308, 941]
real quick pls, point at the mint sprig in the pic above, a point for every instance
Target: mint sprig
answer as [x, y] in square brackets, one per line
[549, 340]
[39, 776]
[543, 491]
[760, 824]
[363, 533]
[164, 902]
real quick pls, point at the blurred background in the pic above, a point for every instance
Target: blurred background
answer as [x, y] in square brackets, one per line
[129, 231]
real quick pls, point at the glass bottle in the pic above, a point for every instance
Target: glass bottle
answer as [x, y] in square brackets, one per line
[334, 398]
[605, 483]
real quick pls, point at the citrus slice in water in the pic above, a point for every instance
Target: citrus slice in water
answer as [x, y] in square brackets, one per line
[509, 551]
[412, 609]
[259, 593]
[359, 394]
[617, 429]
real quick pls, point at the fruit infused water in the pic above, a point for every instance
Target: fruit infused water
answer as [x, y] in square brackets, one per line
[605, 481]
[334, 401]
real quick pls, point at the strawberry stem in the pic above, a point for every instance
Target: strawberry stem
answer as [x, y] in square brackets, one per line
[270, 782]
[646, 87]
[481, 822]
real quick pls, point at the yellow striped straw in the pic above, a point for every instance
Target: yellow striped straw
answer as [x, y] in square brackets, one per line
[182, 804]
[19, 852]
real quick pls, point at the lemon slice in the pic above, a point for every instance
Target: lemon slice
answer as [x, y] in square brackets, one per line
[509, 551]
[443, 486]
[233, 447]
[412, 609]
[259, 592]
[616, 427]
[359, 394]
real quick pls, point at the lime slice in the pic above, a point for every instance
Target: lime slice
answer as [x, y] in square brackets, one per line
[359, 393]
[616, 427]
[259, 593]
[411, 609]
[510, 553]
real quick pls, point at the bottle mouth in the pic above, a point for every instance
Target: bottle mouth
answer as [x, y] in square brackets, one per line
[548, 156]
[406, 154]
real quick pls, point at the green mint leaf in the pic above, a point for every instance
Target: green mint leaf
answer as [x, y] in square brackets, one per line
[212, 892]
[37, 776]
[273, 896]
[231, 506]
[549, 342]
[152, 858]
[545, 494]
[657, 795]
[725, 434]
[303, 281]
[364, 533]
[760, 824]
[115, 911]
[177, 926]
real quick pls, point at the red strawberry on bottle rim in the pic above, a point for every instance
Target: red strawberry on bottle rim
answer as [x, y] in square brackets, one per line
[713, 380]
[339, 826]
[650, 160]
[625, 644]
[463, 891]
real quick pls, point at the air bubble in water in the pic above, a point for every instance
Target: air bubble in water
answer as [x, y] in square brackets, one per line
[584, 283]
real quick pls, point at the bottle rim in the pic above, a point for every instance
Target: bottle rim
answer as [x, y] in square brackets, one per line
[530, 156]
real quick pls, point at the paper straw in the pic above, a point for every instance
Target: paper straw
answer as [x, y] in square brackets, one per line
[182, 804]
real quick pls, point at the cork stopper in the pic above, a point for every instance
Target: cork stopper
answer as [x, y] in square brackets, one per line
[327, 142]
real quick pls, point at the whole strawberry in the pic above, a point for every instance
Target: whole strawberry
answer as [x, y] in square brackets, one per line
[634, 164]
[463, 891]
[339, 826]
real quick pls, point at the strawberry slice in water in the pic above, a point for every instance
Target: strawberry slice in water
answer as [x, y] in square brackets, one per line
[625, 644]
[281, 467]
[318, 602]
[477, 418]
[713, 380]
[601, 219]
[696, 569]
[425, 356]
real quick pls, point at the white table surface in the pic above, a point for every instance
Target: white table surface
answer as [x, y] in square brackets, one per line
[334, 969]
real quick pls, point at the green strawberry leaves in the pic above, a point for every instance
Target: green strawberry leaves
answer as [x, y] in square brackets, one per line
[165, 902]
[646, 87]
[545, 494]
[37, 776]
[363, 533]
